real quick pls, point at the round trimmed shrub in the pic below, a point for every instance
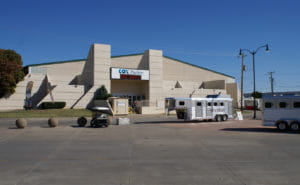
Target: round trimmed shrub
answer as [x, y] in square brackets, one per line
[53, 122]
[21, 123]
[81, 121]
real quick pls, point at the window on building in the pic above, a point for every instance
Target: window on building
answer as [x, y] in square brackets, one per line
[268, 105]
[181, 103]
[296, 104]
[221, 104]
[215, 104]
[199, 104]
[208, 104]
[282, 104]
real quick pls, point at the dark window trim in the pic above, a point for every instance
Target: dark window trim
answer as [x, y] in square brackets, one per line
[282, 105]
[269, 107]
[295, 103]
[181, 103]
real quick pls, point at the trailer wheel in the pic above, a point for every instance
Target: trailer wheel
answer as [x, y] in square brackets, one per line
[224, 117]
[282, 126]
[180, 115]
[218, 118]
[295, 126]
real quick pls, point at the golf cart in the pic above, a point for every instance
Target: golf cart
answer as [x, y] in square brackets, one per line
[101, 117]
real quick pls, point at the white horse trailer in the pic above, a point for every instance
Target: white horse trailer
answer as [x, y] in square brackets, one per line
[282, 112]
[210, 108]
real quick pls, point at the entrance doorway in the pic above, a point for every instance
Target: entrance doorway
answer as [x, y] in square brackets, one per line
[131, 98]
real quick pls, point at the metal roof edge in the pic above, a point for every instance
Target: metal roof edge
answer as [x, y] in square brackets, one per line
[129, 55]
[58, 62]
[135, 54]
[79, 60]
[198, 66]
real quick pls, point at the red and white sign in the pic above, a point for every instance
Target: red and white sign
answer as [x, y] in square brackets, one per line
[129, 74]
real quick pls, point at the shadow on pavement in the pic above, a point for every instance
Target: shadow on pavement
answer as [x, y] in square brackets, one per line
[76, 126]
[165, 122]
[258, 129]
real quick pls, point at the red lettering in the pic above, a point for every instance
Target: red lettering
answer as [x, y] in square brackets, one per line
[130, 77]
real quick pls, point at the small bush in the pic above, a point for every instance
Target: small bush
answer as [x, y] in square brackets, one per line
[53, 105]
[101, 93]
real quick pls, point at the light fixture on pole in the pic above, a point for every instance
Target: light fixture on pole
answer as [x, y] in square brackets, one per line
[253, 63]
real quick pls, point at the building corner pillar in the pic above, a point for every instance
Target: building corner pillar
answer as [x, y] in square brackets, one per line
[101, 66]
[156, 97]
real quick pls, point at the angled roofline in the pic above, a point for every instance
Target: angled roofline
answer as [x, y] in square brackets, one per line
[129, 55]
[58, 62]
[135, 54]
[198, 66]
[79, 60]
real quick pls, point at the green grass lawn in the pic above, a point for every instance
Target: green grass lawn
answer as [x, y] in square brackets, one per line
[45, 113]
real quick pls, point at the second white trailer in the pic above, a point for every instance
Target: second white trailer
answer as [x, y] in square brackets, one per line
[282, 112]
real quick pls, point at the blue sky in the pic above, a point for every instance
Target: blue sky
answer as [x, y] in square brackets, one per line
[207, 33]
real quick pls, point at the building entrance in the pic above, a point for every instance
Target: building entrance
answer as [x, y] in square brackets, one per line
[132, 98]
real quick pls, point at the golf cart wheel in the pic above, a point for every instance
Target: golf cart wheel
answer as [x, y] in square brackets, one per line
[81, 121]
[218, 118]
[295, 126]
[282, 126]
[224, 117]
[92, 123]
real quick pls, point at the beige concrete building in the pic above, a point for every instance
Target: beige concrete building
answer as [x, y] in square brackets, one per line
[149, 77]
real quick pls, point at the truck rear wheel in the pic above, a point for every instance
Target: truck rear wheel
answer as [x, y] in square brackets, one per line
[295, 126]
[282, 126]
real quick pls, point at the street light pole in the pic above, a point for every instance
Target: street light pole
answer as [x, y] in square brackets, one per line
[254, 86]
[253, 63]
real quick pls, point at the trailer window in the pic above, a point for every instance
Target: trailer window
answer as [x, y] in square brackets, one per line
[181, 103]
[199, 104]
[296, 104]
[282, 104]
[268, 105]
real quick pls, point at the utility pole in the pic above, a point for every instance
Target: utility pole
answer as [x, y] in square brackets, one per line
[272, 82]
[243, 68]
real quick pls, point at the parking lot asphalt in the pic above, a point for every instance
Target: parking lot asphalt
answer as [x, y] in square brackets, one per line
[148, 152]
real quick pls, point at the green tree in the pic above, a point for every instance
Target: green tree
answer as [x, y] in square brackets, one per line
[11, 71]
[257, 94]
[102, 94]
